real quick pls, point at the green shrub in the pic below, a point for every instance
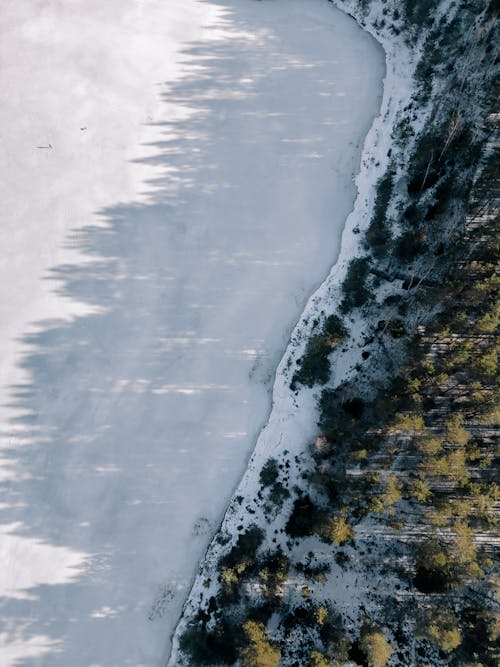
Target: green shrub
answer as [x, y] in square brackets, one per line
[258, 651]
[378, 235]
[269, 473]
[245, 548]
[335, 330]
[410, 244]
[303, 518]
[354, 286]
[278, 494]
[335, 529]
[419, 13]
[273, 572]
[208, 648]
[314, 367]
[375, 646]
[441, 628]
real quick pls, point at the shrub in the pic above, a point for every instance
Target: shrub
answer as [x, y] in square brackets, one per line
[269, 473]
[335, 330]
[375, 646]
[410, 244]
[278, 493]
[335, 529]
[315, 365]
[258, 651]
[378, 234]
[209, 648]
[317, 659]
[419, 13]
[273, 573]
[441, 627]
[240, 559]
[315, 572]
[303, 518]
[354, 286]
[354, 407]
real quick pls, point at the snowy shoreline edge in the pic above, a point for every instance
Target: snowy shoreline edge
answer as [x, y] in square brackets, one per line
[289, 423]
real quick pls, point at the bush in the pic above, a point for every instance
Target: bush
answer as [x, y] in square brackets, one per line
[258, 651]
[315, 365]
[239, 561]
[303, 518]
[410, 244]
[354, 286]
[317, 659]
[209, 648]
[278, 494]
[269, 473]
[335, 330]
[354, 407]
[375, 646]
[378, 234]
[314, 572]
[419, 13]
[441, 627]
[273, 573]
[335, 529]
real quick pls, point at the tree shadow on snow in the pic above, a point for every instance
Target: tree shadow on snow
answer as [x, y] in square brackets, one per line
[128, 405]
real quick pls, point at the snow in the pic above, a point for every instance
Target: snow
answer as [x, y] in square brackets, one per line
[176, 181]
[291, 427]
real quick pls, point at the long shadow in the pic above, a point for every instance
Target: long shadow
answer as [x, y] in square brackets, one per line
[127, 440]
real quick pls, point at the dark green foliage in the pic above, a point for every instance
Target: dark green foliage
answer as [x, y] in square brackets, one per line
[354, 286]
[273, 571]
[269, 473]
[313, 571]
[481, 640]
[333, 425]
[211, 648]
[378, 234]
[304, 518]
[278, 494]
[395, 326]
[335, 330]
[314, 365]
[425, 69]
[262, 612]
[340, 416]
[354, 407]
[299, 617]
[426, 165]
[245, 547]
[410, 244]
[419, 13]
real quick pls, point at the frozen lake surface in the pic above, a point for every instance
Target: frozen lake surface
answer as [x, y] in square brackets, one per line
[174, 183]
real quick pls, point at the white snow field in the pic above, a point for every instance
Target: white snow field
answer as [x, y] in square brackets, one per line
[174, 182]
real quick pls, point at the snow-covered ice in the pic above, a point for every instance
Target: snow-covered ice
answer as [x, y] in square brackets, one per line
[174, 183]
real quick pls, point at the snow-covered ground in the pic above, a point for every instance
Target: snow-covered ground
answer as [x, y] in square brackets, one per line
[175, 179]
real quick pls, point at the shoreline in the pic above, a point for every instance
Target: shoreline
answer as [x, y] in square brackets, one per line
[300, 406]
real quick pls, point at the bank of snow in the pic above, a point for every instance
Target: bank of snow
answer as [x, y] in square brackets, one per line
[177, 178]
